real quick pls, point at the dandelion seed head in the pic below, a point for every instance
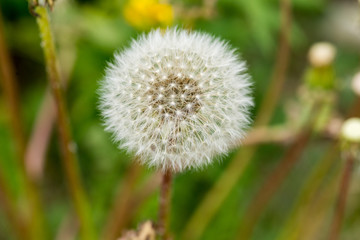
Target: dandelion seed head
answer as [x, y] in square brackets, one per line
[194, 99]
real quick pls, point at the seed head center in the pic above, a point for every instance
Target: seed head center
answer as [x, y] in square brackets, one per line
[174, 97]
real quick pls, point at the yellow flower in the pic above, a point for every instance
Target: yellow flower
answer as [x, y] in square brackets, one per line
[147, 14]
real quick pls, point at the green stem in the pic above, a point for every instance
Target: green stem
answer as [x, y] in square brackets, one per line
[67, 144]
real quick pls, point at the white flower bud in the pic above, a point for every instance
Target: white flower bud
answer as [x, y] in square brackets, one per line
[321, 54]
[350, 130]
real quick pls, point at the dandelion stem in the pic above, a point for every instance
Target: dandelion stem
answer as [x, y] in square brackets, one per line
[341, 202]
[164, 207]
[67, 144]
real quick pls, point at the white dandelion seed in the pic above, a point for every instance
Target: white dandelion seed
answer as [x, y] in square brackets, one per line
[199, 109]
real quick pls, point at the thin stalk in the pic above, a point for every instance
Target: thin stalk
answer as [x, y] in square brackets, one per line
[271, 184]
[67, 144]
[164, 206]
[206, 210]
[262, 135]
[343, 193]
[36, 218]
[38, 142]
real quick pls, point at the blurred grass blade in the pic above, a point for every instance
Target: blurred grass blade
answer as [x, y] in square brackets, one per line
[272, 184]
[35, 221]
[310, 187]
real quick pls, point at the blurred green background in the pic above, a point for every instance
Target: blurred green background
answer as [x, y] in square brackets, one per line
[87, 34]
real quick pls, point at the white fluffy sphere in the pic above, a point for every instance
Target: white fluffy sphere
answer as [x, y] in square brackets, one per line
[350, 130]
[176, 98]
[322, 54]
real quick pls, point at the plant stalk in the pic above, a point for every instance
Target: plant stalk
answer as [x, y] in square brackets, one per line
[164, 206]
[69, 158]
